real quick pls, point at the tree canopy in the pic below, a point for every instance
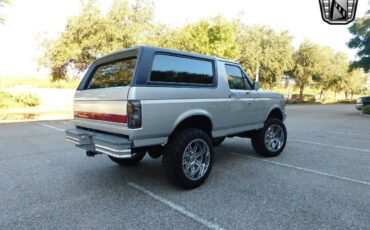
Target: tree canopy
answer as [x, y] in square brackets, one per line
[261, 50]
[361, 41]
[214, 37]
[2, 4]
[306, 65]
[92, 34]
[266, 52]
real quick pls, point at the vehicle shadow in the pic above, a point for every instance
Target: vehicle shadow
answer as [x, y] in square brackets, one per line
[150, 173]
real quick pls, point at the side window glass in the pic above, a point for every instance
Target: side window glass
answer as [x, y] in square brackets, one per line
[173, 69]
[248, 85]
[235, 77]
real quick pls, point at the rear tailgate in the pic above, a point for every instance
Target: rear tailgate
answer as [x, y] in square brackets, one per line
[101, 101]
[102, 109]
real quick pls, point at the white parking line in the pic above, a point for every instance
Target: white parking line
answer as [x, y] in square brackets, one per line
[52, 127]
[177, 207]
[339, 132]
[194, 216]
[328, 145]
[305, 169]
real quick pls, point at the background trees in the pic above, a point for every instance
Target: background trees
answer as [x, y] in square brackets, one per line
[92, 34]
[2, 4]
[264, 52]
[306, 65]
[355, 83]
[215, 37]
[361, 41]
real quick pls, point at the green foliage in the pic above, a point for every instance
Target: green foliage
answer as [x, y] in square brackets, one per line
[360, 30]
[8, 100]
[266, 51]
[306, 65]
[355, 83]
[353, 101]
[366, 110]
[2, 4]
[332, 70]
[262, 51]
[27, 99]
[214, 37]
[92, 34]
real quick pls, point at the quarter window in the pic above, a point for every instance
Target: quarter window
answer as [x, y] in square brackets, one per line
[174, 69]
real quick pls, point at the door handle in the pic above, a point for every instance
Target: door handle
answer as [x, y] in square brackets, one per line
[231, 95]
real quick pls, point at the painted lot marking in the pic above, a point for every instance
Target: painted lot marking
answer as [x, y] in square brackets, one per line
[176, 207]
[301, 141]
[170, 204]
[340, 132]
[328, 145]
[51, 127]
[305, 169]
[181, 209]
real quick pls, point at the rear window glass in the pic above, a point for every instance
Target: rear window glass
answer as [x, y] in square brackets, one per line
[174, 69]
[113, 74]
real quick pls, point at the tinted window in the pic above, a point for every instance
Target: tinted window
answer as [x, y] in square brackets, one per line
[174, 69]
[112, 75]
[234, 77]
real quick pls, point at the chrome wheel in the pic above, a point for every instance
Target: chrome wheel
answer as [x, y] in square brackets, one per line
[274, 138]
[195, 160]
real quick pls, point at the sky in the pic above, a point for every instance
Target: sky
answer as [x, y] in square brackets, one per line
[29, 21]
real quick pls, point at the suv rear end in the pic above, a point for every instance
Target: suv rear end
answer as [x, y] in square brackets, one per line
[103, 115]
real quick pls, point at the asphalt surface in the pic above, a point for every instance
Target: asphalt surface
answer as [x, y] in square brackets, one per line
[320, 181]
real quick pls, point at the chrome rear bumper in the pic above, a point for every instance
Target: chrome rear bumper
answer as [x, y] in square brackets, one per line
[111, 145]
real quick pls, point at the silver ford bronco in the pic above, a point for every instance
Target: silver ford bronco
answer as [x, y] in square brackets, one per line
[174, 105]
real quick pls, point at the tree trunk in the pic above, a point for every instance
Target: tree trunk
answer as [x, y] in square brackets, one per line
[301, 89]
[346, 94]
[351, 95]
[321, 94]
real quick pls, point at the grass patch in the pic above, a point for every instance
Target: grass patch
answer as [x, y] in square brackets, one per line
[41, 83]
[8, 100]
[366, 110]
[17, 116]
[295, 102]
[346, 102]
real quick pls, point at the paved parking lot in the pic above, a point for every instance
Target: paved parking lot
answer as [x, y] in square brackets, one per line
[321, 180]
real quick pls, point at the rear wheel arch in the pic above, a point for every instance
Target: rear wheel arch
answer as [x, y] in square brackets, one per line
[198, 121]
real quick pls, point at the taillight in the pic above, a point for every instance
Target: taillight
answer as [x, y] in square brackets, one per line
[134, 114]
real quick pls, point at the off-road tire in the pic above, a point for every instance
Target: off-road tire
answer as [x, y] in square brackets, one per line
[258, 140]
[173, 157]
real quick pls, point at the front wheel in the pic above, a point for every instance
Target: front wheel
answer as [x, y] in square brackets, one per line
[188, 158]
[270, 141]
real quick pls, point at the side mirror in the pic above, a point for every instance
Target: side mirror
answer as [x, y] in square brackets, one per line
[256, 85]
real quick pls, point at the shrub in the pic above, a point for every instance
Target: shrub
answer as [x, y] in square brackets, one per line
[27, 99]
[8, 100]
[347, 101]
[366, 109]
